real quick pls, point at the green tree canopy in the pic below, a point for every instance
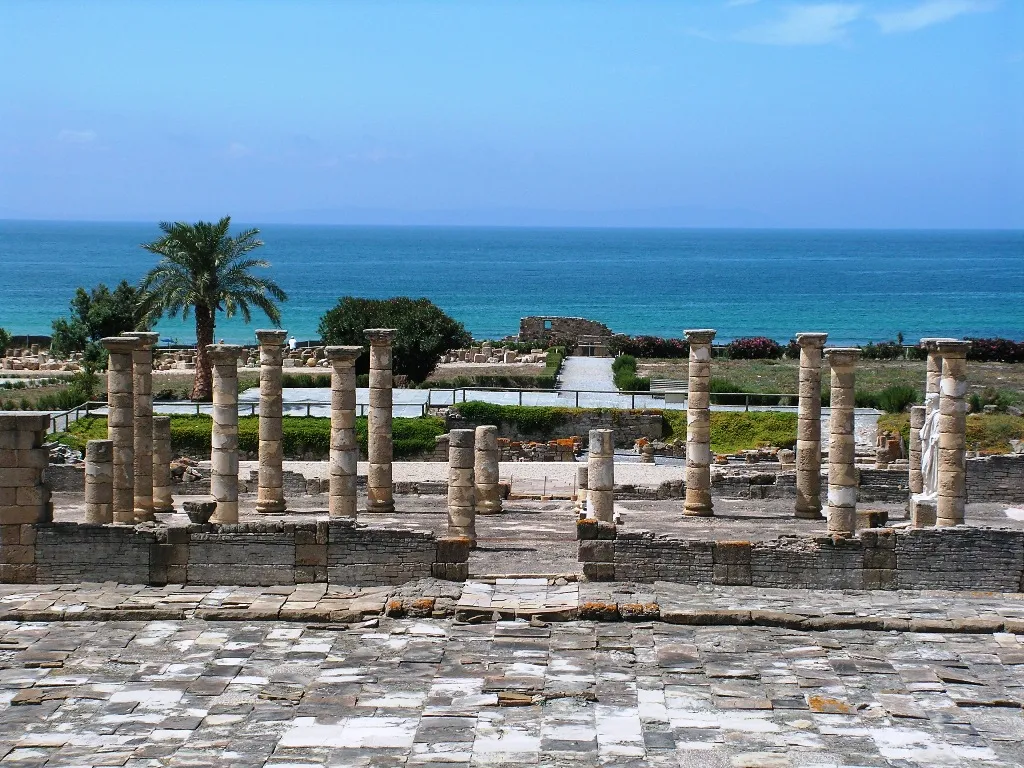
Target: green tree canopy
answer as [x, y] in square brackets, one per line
[97, 313]
[5, 340]
[425, 332]
[203, 269]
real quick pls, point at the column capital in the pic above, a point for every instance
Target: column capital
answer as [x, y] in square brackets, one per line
[811, 339]
[120, 345]
[223, 353]
[271, 337]
[839, 357]
[700, 335]
[146, 339]
[952, 347]
[381, 335]
[342, 354]
[931, 343]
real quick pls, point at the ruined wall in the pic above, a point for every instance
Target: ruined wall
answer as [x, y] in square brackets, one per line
[929, 558]
[996, 478]
[245, 554]
[560, 329]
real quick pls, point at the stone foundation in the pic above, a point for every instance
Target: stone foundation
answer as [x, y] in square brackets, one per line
[939, 558]
[249, 554]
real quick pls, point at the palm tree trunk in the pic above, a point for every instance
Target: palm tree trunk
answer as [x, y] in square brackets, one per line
[202, 389]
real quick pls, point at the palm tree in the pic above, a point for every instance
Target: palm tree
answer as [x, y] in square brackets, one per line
[206, 270]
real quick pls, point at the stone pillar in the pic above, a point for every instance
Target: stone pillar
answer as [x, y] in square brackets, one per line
[601, 475]
[270, 495]
[120, 423]
[142, 386]
[24, 496]
[842, 471]
[99, 482]
[808, 430]
[952, 433]
[224, 439]
[485, 471]
[344, 448]
[379, 492]
[914, 450]
[461, 493]
[933, 367]
[698, 425]
[162, 502]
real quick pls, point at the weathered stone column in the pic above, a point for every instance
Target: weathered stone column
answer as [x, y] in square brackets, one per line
[120, 423]
[270, 494]
[842, 471]
[461, 492]
[601, 475]
[485, 471]
[142, 385]
[162, 501]
[379, 492]
[808, 430]
[914, 450]
[952, 433]
[933, 367]
[224, 438]
[99, 482]
[344, 448]
[698, 425]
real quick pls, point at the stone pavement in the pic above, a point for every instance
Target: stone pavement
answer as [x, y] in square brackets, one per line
[417, 692]
[558, 599]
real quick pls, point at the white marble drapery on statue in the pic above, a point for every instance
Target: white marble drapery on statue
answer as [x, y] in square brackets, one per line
[930, 450]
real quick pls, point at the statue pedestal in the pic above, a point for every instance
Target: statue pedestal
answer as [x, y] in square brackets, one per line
[923, 511]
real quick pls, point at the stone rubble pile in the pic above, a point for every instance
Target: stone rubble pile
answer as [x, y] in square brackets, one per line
[488, 354]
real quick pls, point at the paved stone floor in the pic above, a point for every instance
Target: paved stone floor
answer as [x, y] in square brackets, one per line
[413, 692]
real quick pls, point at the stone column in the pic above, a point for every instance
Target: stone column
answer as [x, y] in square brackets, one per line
[842, 471]
[379, 492]
[270, 494]
[933, 368]
[914, 450]
[808, 430]
[698, 425]
[142, 385]
[162, 501]
[952, 433]
[485, 471]
[224, 438]
[461, 493]
[344, 448]
[601, 475]
[120, 423]
[99, 482]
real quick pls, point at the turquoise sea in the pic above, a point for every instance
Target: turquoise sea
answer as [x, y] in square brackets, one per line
[857, 285]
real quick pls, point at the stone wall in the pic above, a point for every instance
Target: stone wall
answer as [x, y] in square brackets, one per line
[931, 558]
[996, 478]
[246, 554]
[560, 329]
[627, 426]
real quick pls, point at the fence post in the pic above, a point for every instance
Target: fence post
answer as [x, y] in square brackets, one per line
[520, 397]
[307, 409]
[746, 402]
[577, 398]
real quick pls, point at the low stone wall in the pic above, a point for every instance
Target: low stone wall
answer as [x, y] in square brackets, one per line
[928, 558]
[627, 426]
[248, 554]
[996, 478]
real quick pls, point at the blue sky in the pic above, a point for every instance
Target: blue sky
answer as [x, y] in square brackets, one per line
[688, 113]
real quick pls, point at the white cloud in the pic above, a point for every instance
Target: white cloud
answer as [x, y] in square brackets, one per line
[237, 149]
[928, 13]
[817, 24]
[76, 137]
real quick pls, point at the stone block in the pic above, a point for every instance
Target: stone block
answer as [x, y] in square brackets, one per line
[453, 549]
[599, 571]
[596, 552]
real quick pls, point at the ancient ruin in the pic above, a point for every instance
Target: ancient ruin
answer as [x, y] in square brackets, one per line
[698, 425]
[344, 455]
[808, 430]
[271, 499]
[380, 496]
[121, 423]
[224, 438]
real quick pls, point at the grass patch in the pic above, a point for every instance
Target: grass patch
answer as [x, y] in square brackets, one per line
[732, 431]
[526, 419]
[987, 433]
[191, 434]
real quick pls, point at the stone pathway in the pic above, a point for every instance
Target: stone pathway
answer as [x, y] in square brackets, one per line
[592, 374]
[431, 692]
[558, 599]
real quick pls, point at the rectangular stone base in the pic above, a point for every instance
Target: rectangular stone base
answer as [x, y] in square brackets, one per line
[922, 513]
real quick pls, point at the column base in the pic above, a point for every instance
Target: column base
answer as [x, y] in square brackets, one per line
[144, 516]
[271, 507]
[698, 512]
[808, 514]
[380, 506]
[488, 509]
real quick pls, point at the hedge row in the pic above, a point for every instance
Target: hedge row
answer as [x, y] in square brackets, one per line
[191, 434]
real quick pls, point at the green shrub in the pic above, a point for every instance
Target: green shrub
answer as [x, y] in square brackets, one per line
[898, 397]
[624, 374]
[733, 431]
[525, 418]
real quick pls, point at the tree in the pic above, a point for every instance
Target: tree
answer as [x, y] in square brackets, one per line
[97, 313]
[204, 270]
[5, 341]
[425, 332]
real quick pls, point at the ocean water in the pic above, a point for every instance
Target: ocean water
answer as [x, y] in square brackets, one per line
[857, 285]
